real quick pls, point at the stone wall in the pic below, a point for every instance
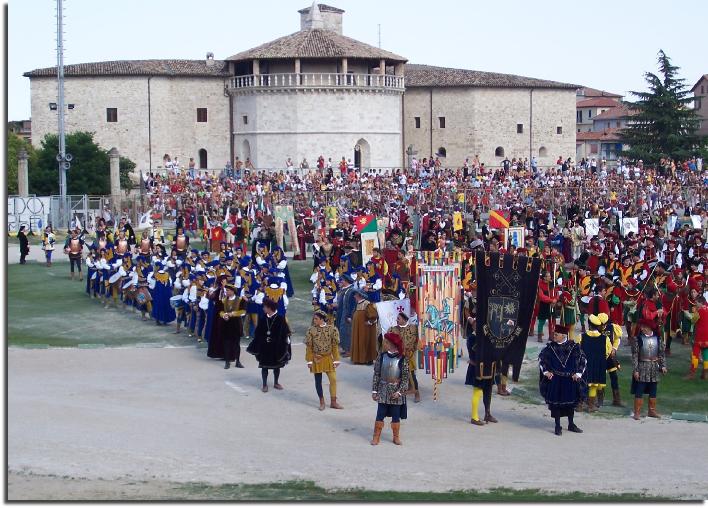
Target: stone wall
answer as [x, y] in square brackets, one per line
[308, 123]
[479, 120]
[170, 127]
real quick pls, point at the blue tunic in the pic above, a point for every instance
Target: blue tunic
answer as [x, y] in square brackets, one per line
[161, 309]
[346, 305]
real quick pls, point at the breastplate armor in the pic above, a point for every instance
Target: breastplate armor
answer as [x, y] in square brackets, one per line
[181, 242]
[145, 246]
[650, 349]
[391, 369]
[122, 246]
[74, 246]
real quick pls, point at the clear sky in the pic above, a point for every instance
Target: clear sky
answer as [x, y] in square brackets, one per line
[603, 44]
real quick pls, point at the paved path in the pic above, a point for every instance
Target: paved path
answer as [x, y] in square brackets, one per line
[171, 414]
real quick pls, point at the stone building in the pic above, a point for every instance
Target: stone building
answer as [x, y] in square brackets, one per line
[700, 91]
[314, 92]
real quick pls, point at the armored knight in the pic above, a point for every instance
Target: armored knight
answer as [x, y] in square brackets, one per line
[390, 383]
[648, 361]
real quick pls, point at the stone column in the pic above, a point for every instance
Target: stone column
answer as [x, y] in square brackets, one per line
[22, 174]
[114, 157]
[382, 67]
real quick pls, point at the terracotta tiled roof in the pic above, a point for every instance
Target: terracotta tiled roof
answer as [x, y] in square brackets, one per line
[316, 43]
[597, 102]
[588, 92]
[617, 112]
[606, 135]
[428, 75]
[323, 8]
[705, 76]
[218, 68]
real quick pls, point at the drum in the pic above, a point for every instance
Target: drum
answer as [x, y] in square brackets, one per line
[176, 301]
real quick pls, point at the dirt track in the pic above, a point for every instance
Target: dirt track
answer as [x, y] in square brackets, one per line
[172, 415]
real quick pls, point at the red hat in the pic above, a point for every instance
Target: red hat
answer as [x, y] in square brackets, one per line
[677, 271]
[395, 339]
[649, 323]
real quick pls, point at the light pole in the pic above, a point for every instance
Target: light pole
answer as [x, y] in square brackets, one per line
[63, 158]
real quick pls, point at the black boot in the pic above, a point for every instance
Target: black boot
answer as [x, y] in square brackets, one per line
[239, 365]
[559, 430]
[574, 428]
[227, 365]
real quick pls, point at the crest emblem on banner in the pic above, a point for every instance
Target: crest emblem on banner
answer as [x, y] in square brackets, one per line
[502, 316]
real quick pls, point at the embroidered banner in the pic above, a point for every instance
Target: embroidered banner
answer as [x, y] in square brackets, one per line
[506, 294]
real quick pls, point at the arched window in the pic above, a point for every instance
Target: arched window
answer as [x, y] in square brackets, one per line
[542, 151]
[499, 152]
[202, 159]
[442, 152]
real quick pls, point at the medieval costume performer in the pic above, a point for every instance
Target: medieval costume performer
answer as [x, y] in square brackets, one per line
[648, 361]
[547, 299]
[365, 330]
[699, 316]
[613, 332]
[346, 305]
[409, 335]
[482, 388]
[562, 363]
[214, 335]
[232, 327]
[597, 349]
[181, 243]
[74, 247]
[322, 356]
[162, 311]
[271, 344]
[389, 387]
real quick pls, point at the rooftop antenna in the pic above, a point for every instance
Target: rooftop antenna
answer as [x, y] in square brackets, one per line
[379, 35]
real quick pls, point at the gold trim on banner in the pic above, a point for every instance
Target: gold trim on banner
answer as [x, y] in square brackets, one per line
[501, 261]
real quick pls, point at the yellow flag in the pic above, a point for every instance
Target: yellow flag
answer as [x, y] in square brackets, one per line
[457, 221]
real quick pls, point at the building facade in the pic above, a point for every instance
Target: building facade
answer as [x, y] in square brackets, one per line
[314, 92]
[700, 103]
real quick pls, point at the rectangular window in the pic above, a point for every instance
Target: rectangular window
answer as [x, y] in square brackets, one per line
[111, 114]
[441, 122]
[201, 114]
[417, 122]
[519, 128]
[593, 148]
[245, 119]
[589, 113]
[579, 116]
[559, 130]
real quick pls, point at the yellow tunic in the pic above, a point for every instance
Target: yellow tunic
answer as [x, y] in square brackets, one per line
[322, 343]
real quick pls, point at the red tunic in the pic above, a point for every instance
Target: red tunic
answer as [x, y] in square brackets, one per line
[701, 328]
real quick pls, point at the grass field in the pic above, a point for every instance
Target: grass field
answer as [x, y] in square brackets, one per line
[675, 394]
[308, 491]
[45, 308]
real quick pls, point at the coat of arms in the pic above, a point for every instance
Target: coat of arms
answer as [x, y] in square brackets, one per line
[502, 317]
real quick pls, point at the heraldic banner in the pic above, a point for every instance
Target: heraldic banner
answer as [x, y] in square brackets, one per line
[507, 286]
[438, 319]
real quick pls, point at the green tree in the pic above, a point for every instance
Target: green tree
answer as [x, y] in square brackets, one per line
[665, 124]
[90, 167]
[14, 144]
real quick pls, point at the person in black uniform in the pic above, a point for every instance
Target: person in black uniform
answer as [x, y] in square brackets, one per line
[271, 343]
[231, 329]
[562, 364]
[482, 388]
[597, 348]
[24, 245]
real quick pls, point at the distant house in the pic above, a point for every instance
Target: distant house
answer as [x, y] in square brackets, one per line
[700, 90]
[587, 109]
